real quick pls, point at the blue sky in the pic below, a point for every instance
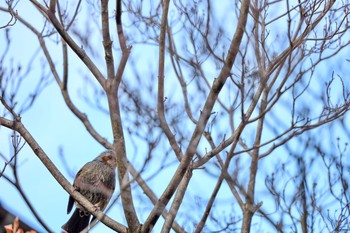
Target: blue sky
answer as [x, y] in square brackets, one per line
[54, 127]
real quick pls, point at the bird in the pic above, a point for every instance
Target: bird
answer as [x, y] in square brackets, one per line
[96, 182]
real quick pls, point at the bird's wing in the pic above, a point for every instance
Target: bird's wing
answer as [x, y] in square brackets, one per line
[70, 204]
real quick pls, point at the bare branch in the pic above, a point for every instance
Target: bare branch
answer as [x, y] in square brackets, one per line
[210, 101]
[50, 14]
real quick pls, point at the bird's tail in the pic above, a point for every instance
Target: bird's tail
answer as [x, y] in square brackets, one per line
[77, 222]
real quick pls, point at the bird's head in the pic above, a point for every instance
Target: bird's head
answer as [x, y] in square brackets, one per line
[108, 157]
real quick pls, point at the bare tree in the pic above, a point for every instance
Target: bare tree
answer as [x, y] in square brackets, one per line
[223, 96]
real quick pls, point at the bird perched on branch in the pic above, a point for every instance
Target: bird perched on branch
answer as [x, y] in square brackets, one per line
[96, 182]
